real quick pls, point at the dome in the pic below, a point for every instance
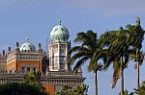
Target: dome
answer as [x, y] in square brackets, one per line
[27, 46]
[59, 33]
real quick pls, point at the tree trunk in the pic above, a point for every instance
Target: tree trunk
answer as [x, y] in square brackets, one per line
[122, 81]
[122, 78]
[96, 83]
[138, 76]
[138, 68]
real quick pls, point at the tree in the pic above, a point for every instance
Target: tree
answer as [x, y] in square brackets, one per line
[32, 78]
[136, 38]
[141, 90]
[126, 92]
[118, 53]
[21, 89]
[89, 51]
[79, 90]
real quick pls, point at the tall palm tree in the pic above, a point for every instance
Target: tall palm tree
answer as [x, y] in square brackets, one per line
[118, 53]
[136, 38]
[88, 51]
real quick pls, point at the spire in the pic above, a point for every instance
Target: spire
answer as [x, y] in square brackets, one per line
[59, 21]
[27, 39]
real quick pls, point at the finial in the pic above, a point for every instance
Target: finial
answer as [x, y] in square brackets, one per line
[27, 39]
[17, 44]
[59, 21]
[39, 45]
[3, 52]
[9, 48]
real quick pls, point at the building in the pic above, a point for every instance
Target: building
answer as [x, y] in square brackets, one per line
[24, 58]
[54, 65]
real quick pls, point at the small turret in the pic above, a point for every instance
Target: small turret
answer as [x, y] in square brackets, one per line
[9, 49]
[17, 44]
[3, 53]
[17, 47]
[39, 47]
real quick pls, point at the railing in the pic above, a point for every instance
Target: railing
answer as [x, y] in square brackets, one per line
[71, 79]
[61, 73]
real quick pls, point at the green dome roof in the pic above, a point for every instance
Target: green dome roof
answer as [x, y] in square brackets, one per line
[59, 33]
[27, 46]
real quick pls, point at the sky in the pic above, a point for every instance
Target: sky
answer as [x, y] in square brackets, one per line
[36, 18]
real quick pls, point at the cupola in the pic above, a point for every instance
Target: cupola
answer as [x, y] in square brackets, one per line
[27, 46]
[59, 33]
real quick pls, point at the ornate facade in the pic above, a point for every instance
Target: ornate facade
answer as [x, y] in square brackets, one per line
[24, 59]
[54, 65]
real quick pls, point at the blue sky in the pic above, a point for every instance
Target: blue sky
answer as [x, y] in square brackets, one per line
[36, 18]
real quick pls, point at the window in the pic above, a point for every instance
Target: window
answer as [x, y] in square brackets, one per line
[34, 69]
[23, 69]
[28, 69]
[55, 59]
[55, 64]
[62, 61]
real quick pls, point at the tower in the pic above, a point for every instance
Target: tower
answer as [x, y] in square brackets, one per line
[58, 48]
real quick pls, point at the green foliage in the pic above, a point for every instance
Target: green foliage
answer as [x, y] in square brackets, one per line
[117, 51]
[141, 90]
[126, 92]
[20, 89]
[122, 45]
[88, 50]
[32, 78]
[79, 90]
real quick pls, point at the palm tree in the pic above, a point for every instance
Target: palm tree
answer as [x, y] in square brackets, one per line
[89, 51]
[118, 53]
[136, 38]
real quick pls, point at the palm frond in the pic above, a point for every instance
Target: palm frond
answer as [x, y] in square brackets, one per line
[115, 77]
[80, 62]
[78, 55]
[74, 49]
[92, 35]
[81, 37]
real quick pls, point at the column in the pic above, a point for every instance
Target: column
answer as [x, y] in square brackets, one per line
[58, 56]
[66, 56]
